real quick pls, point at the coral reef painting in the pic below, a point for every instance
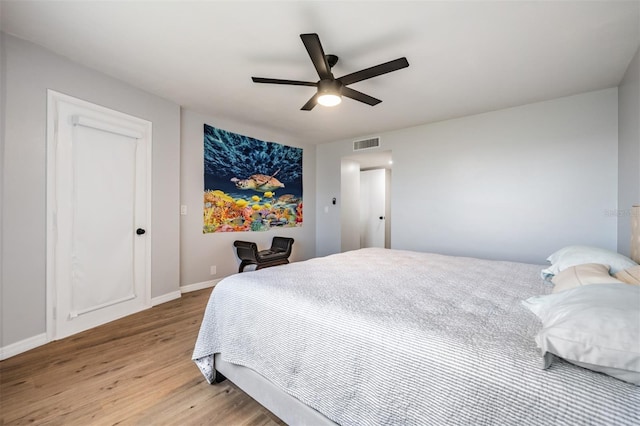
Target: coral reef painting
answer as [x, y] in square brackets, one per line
[249, 184]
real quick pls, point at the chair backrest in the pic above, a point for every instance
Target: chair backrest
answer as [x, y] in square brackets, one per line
[246, 250]
[282, 244]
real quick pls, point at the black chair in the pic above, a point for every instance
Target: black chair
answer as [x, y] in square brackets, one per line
[278, 254]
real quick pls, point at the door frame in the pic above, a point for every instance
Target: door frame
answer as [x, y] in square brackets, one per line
[53, 98]
[350, 168]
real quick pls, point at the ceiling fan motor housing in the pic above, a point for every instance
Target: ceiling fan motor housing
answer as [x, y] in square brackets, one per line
[329, 87]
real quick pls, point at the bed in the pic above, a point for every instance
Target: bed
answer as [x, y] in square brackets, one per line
[393, 337]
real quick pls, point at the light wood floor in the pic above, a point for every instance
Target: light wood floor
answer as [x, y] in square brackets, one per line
[136, 370]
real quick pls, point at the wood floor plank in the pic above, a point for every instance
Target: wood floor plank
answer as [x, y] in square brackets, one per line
[133, 371]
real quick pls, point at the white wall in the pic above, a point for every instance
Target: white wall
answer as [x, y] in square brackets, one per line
[629, 151]
[387, 208]
[328, 215]
[349, 205]
[201, 251]
[514, 184]
[28, 72]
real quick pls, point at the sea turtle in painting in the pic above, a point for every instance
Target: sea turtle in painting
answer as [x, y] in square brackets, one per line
[258, 182]
[287, 199]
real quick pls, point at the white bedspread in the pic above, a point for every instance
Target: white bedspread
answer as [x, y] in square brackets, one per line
[394, 337]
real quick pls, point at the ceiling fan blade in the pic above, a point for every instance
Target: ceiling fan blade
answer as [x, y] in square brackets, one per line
[316, 53]
[374, 71]
[310, 103]
[359, 96]
[279, 81]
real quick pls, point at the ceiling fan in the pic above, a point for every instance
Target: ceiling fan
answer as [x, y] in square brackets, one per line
[331, 89]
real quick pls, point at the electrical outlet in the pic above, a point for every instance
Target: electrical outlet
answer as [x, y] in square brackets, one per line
[213, 269]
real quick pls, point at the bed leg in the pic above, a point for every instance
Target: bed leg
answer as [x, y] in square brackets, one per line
[219, 378]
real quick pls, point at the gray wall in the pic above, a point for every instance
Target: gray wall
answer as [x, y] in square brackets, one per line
[629, 151]
[514, 184]
[3, 75]
[201, 251]
[29, 71]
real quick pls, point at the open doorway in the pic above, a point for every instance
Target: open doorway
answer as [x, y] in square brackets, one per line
[365, 193]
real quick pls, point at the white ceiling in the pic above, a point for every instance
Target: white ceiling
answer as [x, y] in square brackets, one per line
[465, 57]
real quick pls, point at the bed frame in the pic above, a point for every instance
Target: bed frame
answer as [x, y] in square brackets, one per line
[287, 408]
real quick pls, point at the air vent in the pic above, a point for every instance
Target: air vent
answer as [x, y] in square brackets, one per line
[366, 144]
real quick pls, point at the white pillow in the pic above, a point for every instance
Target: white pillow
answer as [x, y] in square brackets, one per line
[595, 326]
[577, 255]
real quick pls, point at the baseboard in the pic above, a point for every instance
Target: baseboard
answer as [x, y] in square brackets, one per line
[22, 346]
[199, 286]
[41, 339]
[165, 298]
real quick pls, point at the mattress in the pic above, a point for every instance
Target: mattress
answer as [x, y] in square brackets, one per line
[378, 336]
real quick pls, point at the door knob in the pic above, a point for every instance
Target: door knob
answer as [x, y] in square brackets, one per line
[381, 217]
[140, 231]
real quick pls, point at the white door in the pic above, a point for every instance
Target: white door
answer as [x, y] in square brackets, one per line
[372, 208]
[98, 256]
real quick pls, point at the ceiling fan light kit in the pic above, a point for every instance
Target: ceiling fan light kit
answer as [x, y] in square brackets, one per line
[330, 89]
[329, 92]
[329, 100]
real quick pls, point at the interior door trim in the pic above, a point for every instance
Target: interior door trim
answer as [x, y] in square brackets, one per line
[80, 120]
[144, 130]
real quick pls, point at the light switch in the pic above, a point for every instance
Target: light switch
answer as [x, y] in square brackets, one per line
[183, 210]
